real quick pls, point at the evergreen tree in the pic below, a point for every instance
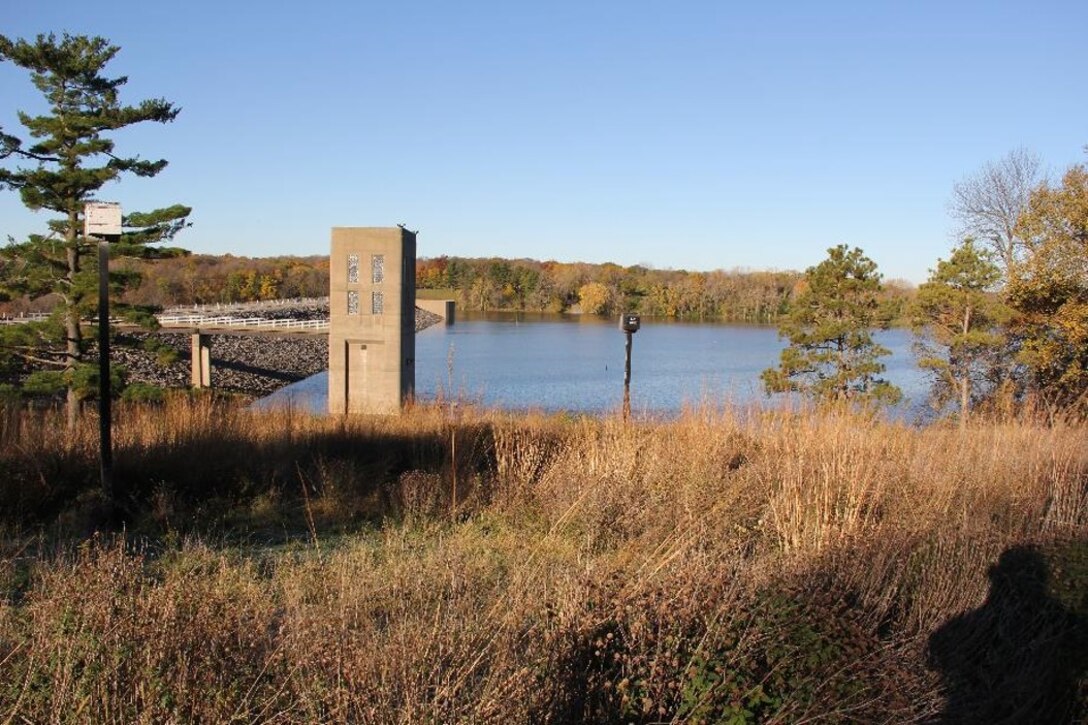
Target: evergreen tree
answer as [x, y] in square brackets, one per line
[959, 321]
[831, 356]
[69, 160]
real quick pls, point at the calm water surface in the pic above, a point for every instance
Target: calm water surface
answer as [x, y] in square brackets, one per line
[575, 363]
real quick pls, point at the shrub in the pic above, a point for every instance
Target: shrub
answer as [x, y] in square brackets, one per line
[143, 393]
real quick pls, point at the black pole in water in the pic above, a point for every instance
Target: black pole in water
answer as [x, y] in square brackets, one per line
[105, 444]
[627, 379]
[629, 323]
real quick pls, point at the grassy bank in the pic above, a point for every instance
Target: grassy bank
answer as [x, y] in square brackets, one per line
[768, 567]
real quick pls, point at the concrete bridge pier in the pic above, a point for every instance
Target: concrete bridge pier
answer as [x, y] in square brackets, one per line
[446, 309]
[202, 360]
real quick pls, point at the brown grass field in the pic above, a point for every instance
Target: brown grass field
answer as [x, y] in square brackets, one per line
[752, 566]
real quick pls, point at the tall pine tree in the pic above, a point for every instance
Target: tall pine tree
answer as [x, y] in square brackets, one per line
[831, 356]
[69, 159]
[959, 321]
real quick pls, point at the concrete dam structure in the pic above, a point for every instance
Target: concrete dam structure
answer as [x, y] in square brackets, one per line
[372, 301]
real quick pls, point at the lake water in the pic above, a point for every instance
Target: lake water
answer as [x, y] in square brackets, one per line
[575, 363]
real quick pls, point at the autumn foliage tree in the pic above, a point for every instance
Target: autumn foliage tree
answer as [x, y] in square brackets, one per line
[1050, 291]
[69, 158]
[596, 298]
[831, 355]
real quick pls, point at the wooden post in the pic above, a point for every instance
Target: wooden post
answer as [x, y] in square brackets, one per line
[103, 219]
[105, 442]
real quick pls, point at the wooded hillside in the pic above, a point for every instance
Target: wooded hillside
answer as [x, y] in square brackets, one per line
[492, 284]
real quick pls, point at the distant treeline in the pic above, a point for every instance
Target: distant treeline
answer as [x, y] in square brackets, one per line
[496, 284]
[208, 279]
[525, 284]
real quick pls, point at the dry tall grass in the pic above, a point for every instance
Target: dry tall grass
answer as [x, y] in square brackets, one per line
[768, 567]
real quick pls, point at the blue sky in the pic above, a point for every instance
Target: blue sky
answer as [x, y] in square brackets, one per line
[696, 135]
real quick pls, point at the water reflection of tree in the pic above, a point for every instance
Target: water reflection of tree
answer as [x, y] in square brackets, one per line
[1017, 658]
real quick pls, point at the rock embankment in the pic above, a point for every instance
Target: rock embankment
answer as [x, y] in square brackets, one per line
[425, 319]
[254, 365]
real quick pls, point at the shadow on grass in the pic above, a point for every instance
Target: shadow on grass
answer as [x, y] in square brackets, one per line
[325, 482]
[227, 481]
[1021, 656]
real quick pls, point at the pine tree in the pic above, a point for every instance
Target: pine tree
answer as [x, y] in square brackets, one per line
[69, 160]
[959, 322]
[831, 356]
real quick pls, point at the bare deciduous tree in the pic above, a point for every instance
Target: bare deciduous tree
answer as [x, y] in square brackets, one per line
[988, 203]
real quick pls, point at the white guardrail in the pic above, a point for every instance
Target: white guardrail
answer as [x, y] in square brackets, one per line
[24, 317]
[210, 321]
[223, 308]
[253, 323]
